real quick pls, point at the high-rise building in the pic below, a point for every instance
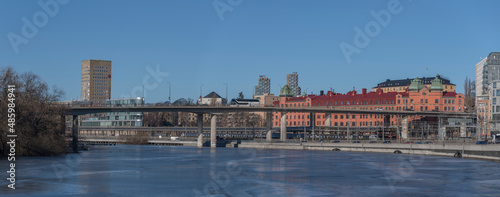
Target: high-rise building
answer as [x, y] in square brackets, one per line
[487, 70]
[487, 75]
[96, 80]
[292, 80]
[264, 86]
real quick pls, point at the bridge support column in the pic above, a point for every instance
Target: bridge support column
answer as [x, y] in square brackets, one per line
[75, 133]
[328, 119]
[213, 131]
[269, 126]
[199, 120]
[312, 121]
[404, 128]
[441, 129]
[463, 130]
[283, 127]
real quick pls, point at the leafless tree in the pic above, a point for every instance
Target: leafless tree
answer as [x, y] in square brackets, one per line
[469, 100]
[39, 122]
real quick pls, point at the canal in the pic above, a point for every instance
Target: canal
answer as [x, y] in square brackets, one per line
[147, 170]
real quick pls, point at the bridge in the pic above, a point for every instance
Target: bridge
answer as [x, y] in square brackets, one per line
[75, 111]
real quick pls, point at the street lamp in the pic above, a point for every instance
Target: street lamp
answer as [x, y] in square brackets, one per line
[169, 92]
[201, 89]
[226, 91]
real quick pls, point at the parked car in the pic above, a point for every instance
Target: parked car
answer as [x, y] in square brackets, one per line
[418, 142]
[356, 142]
[336, 141]
[409, 142]
[371, 142]
[482, 142]
[427, 142]
[386, 142]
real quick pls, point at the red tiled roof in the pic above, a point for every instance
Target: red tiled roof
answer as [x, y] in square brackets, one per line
[449, 94]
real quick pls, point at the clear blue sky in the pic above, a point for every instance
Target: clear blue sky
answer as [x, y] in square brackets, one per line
[259, 37]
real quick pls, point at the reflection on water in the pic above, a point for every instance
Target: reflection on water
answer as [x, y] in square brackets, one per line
[133, 170]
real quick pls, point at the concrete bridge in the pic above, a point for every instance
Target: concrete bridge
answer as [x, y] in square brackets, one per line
[215, 110]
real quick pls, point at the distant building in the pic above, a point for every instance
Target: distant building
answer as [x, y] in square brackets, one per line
[264, 86]
[111, 119]
[212, 99]
[266, 100]
[418, 98]
[400, 85]
[96, 80]
[494, 105]
[244, 103]
[487, 76]
[292, 80]
[487, 71]
[286, 91]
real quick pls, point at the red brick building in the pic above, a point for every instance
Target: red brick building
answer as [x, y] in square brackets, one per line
[417, 97]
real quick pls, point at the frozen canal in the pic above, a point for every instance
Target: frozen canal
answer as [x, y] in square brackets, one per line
[135, 170]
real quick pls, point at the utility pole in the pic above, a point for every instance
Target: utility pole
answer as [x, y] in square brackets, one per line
[226, 92]
[169, 91]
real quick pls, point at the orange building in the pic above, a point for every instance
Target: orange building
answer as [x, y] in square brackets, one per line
[417, 97]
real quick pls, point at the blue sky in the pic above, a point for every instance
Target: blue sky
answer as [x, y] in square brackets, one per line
[188, 40]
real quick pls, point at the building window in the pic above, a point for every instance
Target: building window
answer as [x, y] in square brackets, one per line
[411, 100]
[336, 116]
[341, 116]
[437, 108]
[494, 101]
[436, 101]
[341, 123]
[494, 84]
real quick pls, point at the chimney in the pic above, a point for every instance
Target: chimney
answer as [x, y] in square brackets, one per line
[321, 92]
[364, 91]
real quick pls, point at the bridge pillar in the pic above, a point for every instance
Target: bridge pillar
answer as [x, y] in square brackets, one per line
[328, 119]
[312, 121]
[75, 133]
[283, 127]
[199, 120]
[441, 129]
[213, 131]
[463, 130]
[404, 128]
[269, 126]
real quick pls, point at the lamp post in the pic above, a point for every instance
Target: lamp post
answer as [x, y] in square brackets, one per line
[169, 92]
[226, 91]
[201, 89]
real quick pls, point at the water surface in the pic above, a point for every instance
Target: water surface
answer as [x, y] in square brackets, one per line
[146, 170]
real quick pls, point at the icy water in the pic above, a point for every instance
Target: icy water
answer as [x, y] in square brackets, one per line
[133, 170]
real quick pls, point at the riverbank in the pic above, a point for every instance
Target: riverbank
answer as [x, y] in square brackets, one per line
[489, 152]
[472, 151]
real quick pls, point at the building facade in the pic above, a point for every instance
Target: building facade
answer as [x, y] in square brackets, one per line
[487, 76]
[117, 119]
[212, 99]
[400, 85]
[418, 98]
[292, 81]
[95, 80]
[264, 86]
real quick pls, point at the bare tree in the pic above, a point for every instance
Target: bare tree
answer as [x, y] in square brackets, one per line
[469, 100]
[39, 122]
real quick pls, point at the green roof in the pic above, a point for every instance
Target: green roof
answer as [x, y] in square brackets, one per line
[437, 84]
[286, 91]
[416, 85]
